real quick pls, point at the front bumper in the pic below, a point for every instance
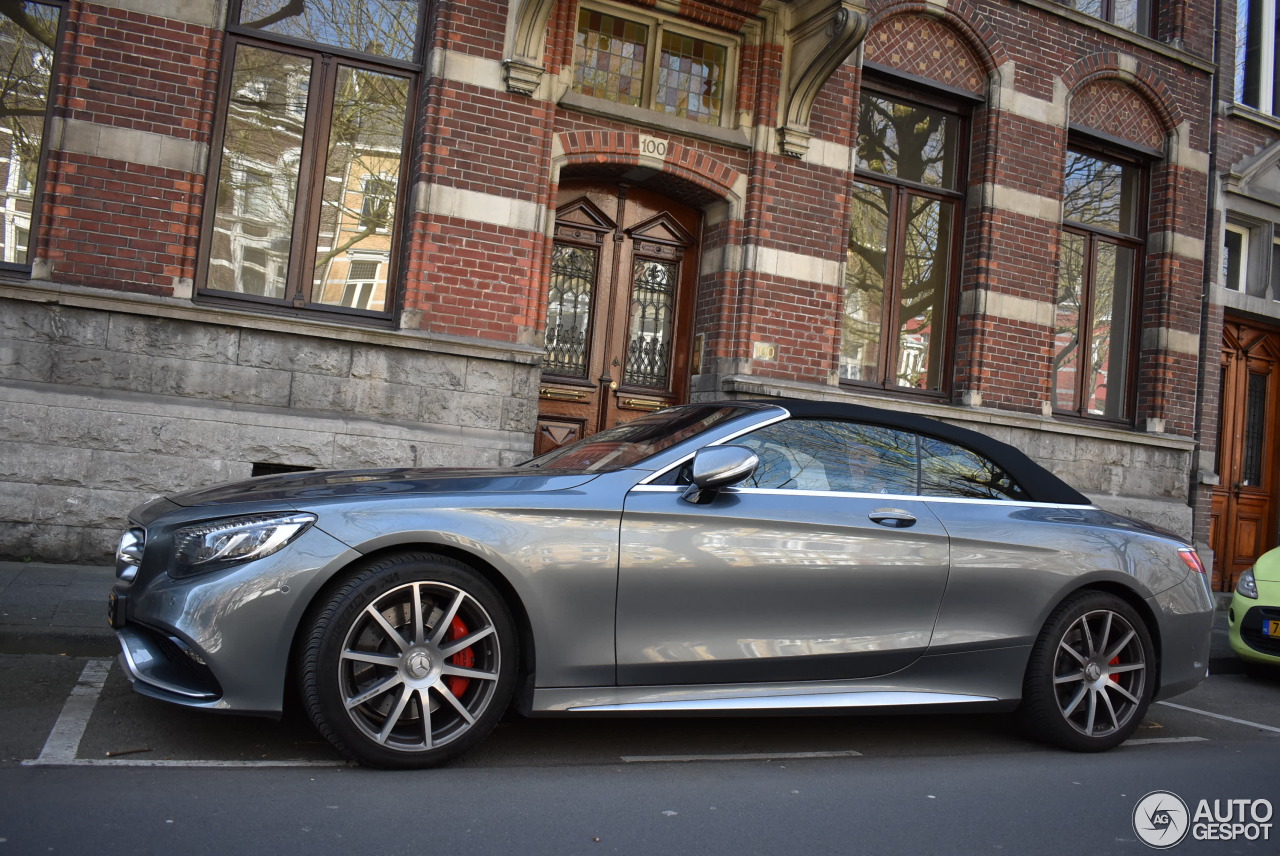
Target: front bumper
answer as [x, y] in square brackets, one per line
[223, 640]
[1244, 622]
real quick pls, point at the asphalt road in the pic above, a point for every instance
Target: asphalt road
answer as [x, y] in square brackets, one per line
[86, 765]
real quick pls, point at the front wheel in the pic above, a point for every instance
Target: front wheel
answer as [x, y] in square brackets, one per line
[1090, 676]
[410, 663]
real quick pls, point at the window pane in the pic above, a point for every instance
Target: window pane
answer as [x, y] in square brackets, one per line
[1250, 52]
[26, 60]
[1089, 7]
[1255, 421]
[653, 294]
[381, 27]
[1233, 260]
[1107, 381]
[691, 78]
[1068, 308]
[609, 57]
[1134, 15]
[1101, 194]
[950, 470]
[1275, 270]
[925, 270]
[813, 454]
[907, 141]
[362, 173]
[573, 276]
[864, 283]
[258, 179]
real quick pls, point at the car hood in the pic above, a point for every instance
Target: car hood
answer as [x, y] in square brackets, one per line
[333, 484]
[1267, 567]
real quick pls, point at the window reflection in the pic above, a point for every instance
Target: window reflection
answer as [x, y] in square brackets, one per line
[1098, 271]
[864, 283]
[258, 180]
[573, 278]
[387, 28]
[366, 138]
[901, 246]
[907, 141]
[815, 454]
[272, 135]
[28, 33]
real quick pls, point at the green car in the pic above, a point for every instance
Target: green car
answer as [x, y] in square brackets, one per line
[1255, 612]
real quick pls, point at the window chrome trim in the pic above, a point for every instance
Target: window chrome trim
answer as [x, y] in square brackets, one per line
[883, 497]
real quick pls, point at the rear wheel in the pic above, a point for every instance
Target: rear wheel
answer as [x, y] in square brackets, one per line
[1091, 674]
[410, 663]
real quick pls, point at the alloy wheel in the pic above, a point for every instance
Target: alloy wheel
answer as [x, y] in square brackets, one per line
[1100, 673]
[419, 666]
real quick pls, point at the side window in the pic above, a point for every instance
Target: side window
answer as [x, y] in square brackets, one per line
[812, 454]
[953, 471]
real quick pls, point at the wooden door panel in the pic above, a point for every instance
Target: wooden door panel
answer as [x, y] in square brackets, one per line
[623, 350]
[1243, 522]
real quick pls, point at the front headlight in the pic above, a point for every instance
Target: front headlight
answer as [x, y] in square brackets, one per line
[217, 544]
[1247, 585]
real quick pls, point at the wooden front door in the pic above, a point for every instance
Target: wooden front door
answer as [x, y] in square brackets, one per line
[619, 307]
[1243, 525]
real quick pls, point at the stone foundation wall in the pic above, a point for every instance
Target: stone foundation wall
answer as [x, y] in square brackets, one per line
[104, 408]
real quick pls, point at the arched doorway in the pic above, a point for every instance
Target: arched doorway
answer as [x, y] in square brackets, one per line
[620, 293]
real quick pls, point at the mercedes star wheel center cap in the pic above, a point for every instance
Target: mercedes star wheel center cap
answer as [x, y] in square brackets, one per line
[418, 664]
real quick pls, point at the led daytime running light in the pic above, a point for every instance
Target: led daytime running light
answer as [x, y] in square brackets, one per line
[237, 539]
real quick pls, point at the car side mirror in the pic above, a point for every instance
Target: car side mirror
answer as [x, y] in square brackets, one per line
[716, 467]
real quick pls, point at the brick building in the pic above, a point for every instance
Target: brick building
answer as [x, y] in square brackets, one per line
[1238, 495]
[258, 234]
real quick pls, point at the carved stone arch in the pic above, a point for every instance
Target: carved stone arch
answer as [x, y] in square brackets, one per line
[523, 66]
[821, 35]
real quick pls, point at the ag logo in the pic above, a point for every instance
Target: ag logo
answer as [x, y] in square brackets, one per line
[1161, 819]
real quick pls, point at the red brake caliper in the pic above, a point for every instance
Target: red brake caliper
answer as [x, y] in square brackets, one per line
[1115, 661]
[466, 658]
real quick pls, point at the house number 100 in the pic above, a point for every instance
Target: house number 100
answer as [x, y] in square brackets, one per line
[653, 147]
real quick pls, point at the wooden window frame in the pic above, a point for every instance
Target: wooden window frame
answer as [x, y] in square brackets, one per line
[326, 62]
[1135, 241]
[890, 346]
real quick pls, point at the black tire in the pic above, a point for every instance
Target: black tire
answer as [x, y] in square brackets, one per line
[387, 683]
[1090, 676]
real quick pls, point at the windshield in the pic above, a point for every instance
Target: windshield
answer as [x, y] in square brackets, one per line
[631, 442]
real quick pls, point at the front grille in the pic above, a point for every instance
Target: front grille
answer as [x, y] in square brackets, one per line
[1251, 630]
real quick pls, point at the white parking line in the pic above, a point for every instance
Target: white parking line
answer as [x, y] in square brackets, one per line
[750, 756]
[1148, 741]
[64, 740]
[1220, 716]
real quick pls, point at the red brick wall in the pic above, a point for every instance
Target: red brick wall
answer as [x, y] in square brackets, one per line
[115, 224]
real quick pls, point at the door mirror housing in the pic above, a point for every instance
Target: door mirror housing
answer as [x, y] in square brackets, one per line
[716, 467]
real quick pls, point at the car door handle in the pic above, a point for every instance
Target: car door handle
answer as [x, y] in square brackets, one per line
[894, 517]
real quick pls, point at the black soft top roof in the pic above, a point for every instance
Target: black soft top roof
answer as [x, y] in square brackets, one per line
[1039, 484]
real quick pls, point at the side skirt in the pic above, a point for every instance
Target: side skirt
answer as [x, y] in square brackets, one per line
[976, 677]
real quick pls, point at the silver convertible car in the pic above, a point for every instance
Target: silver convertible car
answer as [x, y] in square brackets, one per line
[721, 557]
